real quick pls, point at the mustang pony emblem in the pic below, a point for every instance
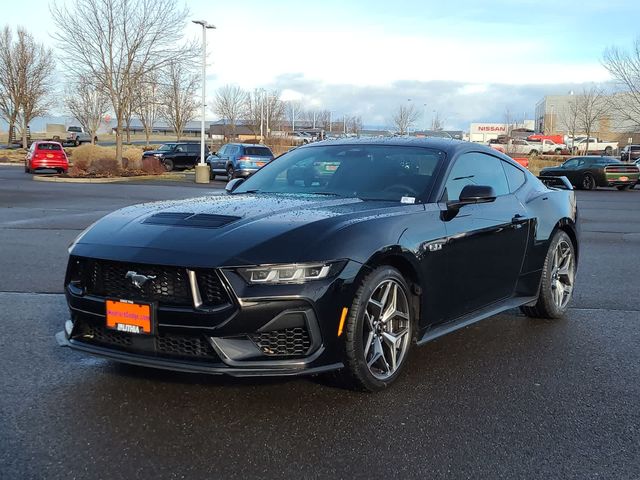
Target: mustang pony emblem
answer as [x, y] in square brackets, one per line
[137, 279]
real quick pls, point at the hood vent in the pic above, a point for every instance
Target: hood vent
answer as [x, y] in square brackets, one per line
[186, 219]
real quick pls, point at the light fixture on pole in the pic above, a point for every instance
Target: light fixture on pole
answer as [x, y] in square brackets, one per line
[202, 171]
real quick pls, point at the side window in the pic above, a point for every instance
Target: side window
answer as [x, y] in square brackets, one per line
[194, 148]
[476, 169]
[515, 176]
[222, 150]
[234, 150]
[179, 149]
[570, 164]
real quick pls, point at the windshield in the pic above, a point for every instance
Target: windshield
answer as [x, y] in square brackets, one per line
[369, 172]
[167, 147]
[74, 129]
[258, 151]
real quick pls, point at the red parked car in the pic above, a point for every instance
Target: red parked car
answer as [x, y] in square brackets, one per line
[48, 155]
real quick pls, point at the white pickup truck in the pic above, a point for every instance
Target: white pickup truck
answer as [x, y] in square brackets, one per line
[525, 147]
[595, 145]
[77, 135]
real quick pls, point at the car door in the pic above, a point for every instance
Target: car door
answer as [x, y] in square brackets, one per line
[485, 242]
[193, 155]
[218, 160]
[178, 155]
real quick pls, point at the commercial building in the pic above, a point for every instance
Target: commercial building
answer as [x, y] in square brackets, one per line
[483, 132]
[553, 116]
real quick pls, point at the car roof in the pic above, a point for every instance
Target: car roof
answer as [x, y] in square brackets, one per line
[448, 145]
[43, 142]
[248, 145]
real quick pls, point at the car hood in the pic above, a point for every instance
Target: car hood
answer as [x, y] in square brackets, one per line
[221, 230]
[153, 152]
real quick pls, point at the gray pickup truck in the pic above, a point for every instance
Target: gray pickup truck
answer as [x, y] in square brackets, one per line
[77, 135]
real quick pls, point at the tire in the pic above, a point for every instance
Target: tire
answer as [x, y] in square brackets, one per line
[230, 173]
[624, 187]
[557, 273]
[558, 151]
[391, 339]
[76, 142]
[26, 168]
[533, 153]
[588, 182]
[608, 151]
[168, 165]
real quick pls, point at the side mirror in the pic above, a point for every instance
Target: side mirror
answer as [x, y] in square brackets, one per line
[233, 184]
[471, 194]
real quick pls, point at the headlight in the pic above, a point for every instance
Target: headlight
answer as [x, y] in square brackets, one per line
[157, 154]
[290, 273]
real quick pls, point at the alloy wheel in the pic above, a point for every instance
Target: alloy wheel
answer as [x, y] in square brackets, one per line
[387, 329]
[562, 274]
[588, 182]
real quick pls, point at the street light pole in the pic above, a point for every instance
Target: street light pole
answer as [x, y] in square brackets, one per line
[202, 171]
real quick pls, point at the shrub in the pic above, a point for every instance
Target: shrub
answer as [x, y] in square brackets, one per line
[152, 166]
[104, 166]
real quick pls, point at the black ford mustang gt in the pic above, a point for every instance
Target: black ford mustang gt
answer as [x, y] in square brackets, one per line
[371, 246]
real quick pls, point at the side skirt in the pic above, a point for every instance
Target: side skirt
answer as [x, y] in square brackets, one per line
[466, 320]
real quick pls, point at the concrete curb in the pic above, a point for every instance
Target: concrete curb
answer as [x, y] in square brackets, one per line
[166, 176]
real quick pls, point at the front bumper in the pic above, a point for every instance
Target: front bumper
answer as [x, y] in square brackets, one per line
[276, 330]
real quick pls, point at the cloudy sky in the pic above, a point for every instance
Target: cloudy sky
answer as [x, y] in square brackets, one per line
[468, 60]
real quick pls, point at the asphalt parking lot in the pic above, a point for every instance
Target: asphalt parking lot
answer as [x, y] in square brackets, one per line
[506, 398]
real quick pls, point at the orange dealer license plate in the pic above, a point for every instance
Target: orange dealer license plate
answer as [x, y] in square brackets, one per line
[624, 179]
[130, 317]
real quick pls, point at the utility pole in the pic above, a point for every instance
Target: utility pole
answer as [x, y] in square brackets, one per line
[261, 116]
[330, 127]
[202, 170]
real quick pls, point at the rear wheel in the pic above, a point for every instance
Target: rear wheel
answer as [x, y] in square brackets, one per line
[230, 173]
[379, 331]
[588, 182]
[168, 165]
[558, 277]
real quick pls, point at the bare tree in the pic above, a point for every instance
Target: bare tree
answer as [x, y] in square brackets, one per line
[179, 98]
[86, 104]
[624, 66]
[26, 69]
[323, 120]
[354, 124]
[230, 104]
[569, 119]
[437, 124]
[118, 42]
[9, 91]
[147, 102]
[404, 118]
[592, 107]
[254, 111]
[275, 111]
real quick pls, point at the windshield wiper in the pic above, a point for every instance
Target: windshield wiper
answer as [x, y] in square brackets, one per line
[332, 194]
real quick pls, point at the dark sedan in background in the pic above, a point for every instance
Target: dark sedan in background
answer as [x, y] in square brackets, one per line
[590, 172]
[344, 268]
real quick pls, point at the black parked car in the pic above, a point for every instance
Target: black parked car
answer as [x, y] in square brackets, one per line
[591, 172]
[404, 241]
[177, 155]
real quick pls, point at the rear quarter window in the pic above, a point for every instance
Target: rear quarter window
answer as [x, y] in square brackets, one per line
[515, 176]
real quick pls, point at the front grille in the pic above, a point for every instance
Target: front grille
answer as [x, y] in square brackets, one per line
[287, 342]
[167, 285]
[164, 344]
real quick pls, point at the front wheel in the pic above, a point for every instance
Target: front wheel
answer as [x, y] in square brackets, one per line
[558, 151]
[588, 182]
[378, 331]
[608, 151]
[168, 165]
[558, 277]
[533, 153]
